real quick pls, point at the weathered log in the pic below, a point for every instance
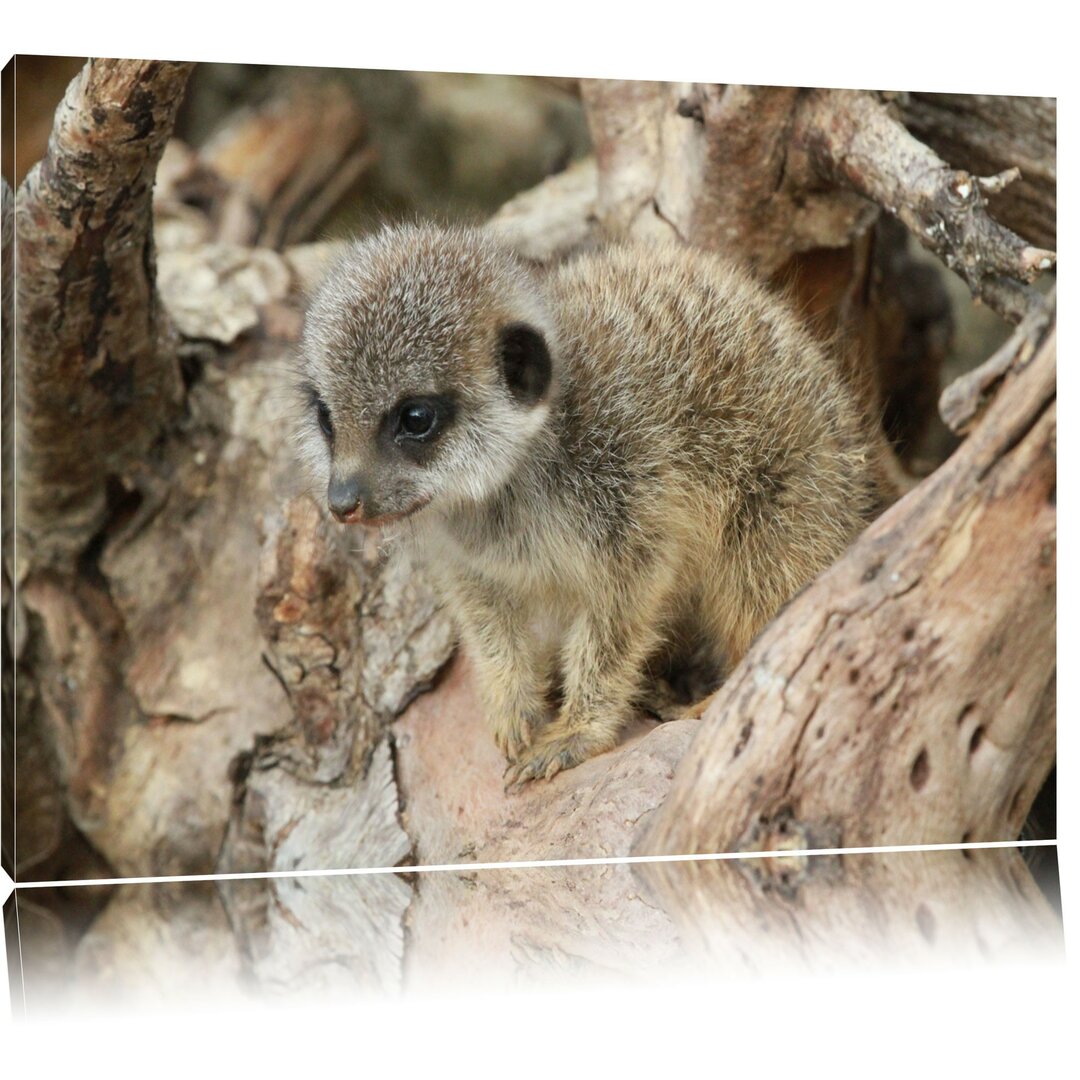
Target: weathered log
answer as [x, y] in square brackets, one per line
[707, 165]
[561, 927]
[98, 381]
[907, 696]
[772, 172]
[451, 778]
[352, 640]
[553, 219]
[965, 397]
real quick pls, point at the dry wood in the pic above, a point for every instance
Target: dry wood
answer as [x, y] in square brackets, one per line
[97, 380]
[707, 165]
[770, 172]
[143, 660]
[285, 162]
[986, 135]
[450, 776]
[907, 696]
[827, 912]
[851, 138]
[966, 396]
[555, 926]
[553, 219]
[327, 934]
[352, 640]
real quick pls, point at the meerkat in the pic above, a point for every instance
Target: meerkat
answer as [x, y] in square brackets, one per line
[639, 454]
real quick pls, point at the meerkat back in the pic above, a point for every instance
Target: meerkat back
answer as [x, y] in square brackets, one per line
[771, 464]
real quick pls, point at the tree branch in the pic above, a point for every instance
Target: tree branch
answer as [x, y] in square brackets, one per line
[966, 397]
[853, 140]
[286, 162]
[97, 378]
[986, 134]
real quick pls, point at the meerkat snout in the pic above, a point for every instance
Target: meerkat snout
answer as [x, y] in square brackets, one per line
[345, 496]
[642, 451]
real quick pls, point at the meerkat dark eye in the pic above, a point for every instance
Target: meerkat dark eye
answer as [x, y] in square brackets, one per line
[526, 362]
[322, 414]
[419, 420]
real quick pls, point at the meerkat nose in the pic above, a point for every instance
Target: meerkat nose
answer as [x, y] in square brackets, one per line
[344, 496]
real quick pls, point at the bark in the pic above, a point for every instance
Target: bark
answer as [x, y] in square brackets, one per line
[828, 912]
[966, 397]
[450, 776]
[987, 135]
[850, 137]
[142, 662]
[707, 165]
[98, 381]
[553, 219]
[547, 926]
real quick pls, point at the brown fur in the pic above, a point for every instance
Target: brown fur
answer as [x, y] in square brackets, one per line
[695, 460]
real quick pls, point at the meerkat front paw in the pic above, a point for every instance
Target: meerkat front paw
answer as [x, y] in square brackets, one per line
[558, 747]
[513, 736]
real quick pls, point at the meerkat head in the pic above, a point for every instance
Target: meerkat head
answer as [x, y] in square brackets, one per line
[429, 363]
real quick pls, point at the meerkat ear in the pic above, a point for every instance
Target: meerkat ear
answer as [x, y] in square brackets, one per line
[526, 362]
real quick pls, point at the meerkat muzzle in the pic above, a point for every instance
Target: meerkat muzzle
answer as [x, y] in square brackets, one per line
[355, 516]
[345, 497]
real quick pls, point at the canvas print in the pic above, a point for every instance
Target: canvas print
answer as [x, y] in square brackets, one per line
[405, 469]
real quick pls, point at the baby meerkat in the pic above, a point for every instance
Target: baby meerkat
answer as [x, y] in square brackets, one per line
[641, 451]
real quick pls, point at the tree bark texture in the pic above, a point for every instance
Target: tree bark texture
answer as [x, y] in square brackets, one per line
[98, 381]
[769, 172]
[548, 926]
[988, 135]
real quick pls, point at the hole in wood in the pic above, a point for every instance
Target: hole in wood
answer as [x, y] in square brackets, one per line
[920, 770]
[976, 739]
[853, 675]
[909, 633]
